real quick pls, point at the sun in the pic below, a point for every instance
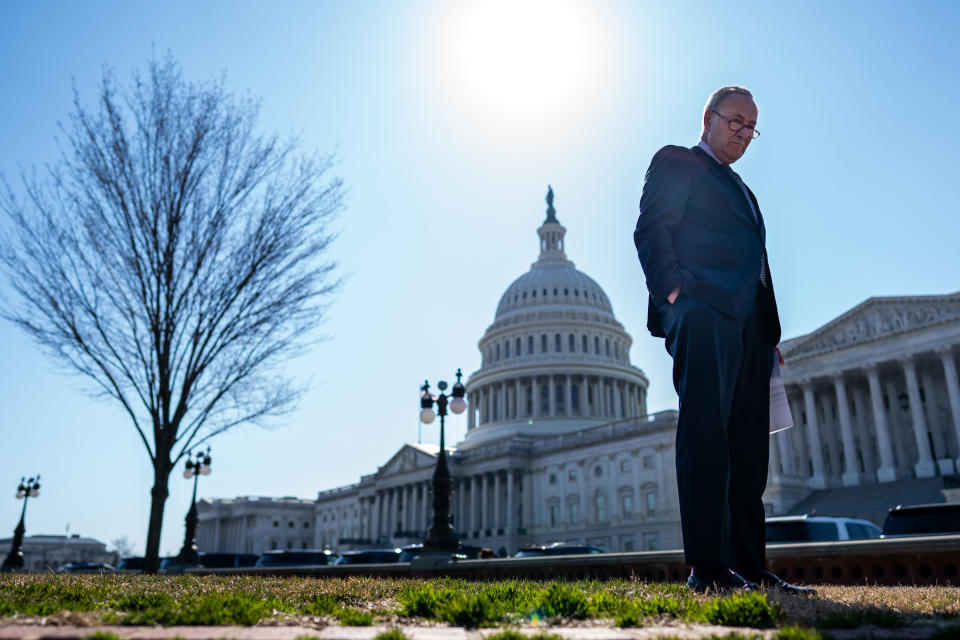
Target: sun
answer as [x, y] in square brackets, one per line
[523, 59]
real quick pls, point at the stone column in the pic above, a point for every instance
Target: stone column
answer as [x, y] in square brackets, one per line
[471, 413]
[519, 400]
[528, 510]
[535, 394]
[819, 479]
[953, 391]
[484, 514]
[582, 391]
[925, 467]
[568, 401]
[942, 456]
[773, 466]
[828, 436]
[601, 398]
[797, 437]
[495, 520]
[508, 525]
[585, 515]
[377, 508]
[898, 429]
[863, 435]
[851, 470]
[552, 395]
[785, 450]
[473, 503]
[505, 402]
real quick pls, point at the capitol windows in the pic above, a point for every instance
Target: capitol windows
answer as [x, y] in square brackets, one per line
[543, 343]
[518, 346]
[574, 513]
[495, 398]
[648, 462]
[600, 507]
[626, 505]
[557, 346]
[650, 495]
[554, 513]
[596, 345]
[572, 475]
[598, 471]
[555, 291]
[624, 466]
[607, 342]
[530, 400]
[559, 397]
[276, 523]
[553, 478]
[544, 400]
[583, 343]
[571, 344]
[616, 350]
[651, 541]
[566, 292]
[529, 345]
[498, 352]
[575, 399]
[506, 347]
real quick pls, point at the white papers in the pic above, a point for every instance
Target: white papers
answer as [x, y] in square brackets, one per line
[780, 416]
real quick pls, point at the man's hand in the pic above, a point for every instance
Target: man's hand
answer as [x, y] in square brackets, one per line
[673, 295]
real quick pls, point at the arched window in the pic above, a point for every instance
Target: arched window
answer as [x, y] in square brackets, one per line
[543, 343]
[498, 352]
[495, 398]
[607, 343]
[575, 399]
[583, 343]
[596, 345]
[506, 349]
[530, 400]
[544, 400]
[626, 505]
[519, 342]
[560, 395]
[529, 345]
[616, 350]
[600, 502]
[571, 344]
[574, 513]
[557, 346]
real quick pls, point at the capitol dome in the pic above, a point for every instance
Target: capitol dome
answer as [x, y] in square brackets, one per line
[555, 358]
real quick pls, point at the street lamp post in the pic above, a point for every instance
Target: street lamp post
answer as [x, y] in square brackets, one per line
[25, 490]
[194, 469]
[441, 537]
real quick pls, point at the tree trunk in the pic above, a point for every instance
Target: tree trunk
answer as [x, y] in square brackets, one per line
[158, 499]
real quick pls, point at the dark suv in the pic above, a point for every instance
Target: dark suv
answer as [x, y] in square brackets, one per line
[532, 550]
[293, 558]
[922, 520]
[369, 556]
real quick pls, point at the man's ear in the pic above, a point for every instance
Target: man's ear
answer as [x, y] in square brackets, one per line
[706, 121]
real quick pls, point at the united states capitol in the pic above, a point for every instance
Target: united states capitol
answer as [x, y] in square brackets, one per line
[560, 445]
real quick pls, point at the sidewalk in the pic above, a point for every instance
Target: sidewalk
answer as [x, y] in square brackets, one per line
[688, 632]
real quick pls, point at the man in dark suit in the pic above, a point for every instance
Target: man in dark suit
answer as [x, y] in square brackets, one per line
[701, 239]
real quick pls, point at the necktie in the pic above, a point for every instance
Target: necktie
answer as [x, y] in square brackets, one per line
[756, 219]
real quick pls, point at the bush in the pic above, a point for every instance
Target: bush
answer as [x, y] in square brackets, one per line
[565, 601]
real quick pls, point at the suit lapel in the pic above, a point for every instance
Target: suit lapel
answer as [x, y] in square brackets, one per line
[724, 176]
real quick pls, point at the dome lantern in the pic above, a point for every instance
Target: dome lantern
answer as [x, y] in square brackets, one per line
[551, 234]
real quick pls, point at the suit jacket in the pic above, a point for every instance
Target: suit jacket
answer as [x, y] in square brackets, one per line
[696, 231]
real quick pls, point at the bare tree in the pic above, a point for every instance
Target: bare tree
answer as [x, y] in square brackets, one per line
[123, 547]
[175, 258]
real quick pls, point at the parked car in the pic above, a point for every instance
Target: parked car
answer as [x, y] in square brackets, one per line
[369, 556]
[809, 528]
[465, 552]
[294, 558]
[227, 560]
[131, 564]
[86, 567]
[556, 549]
[922, 520]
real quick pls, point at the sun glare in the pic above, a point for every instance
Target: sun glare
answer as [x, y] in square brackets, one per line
[522, 59]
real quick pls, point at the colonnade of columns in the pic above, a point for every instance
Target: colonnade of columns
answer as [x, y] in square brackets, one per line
[876, 423]
[569, 395]
[405, 510]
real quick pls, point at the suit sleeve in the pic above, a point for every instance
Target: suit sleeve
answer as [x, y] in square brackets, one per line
[665, 191]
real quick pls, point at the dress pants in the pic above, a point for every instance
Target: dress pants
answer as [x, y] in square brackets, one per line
[721, 371]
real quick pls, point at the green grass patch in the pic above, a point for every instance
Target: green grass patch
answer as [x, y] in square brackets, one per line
[102, 635]
[742, 610]
[794, 632]
[853, 618]
[392, 634]
[355, 617]
[513, 634]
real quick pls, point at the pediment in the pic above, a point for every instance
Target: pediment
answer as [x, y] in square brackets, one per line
[876, 319]
[408, 458]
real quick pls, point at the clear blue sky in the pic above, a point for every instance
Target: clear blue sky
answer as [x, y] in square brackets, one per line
[449, 120]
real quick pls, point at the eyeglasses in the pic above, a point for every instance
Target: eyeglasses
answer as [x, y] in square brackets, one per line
[736, 126]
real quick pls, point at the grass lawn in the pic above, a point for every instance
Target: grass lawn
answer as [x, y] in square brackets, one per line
[249, 600]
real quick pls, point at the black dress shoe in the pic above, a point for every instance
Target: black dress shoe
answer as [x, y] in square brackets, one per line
[729, 582]
[773, 581]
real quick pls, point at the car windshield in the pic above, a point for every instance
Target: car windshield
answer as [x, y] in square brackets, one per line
[919, 522]
[801, 531]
